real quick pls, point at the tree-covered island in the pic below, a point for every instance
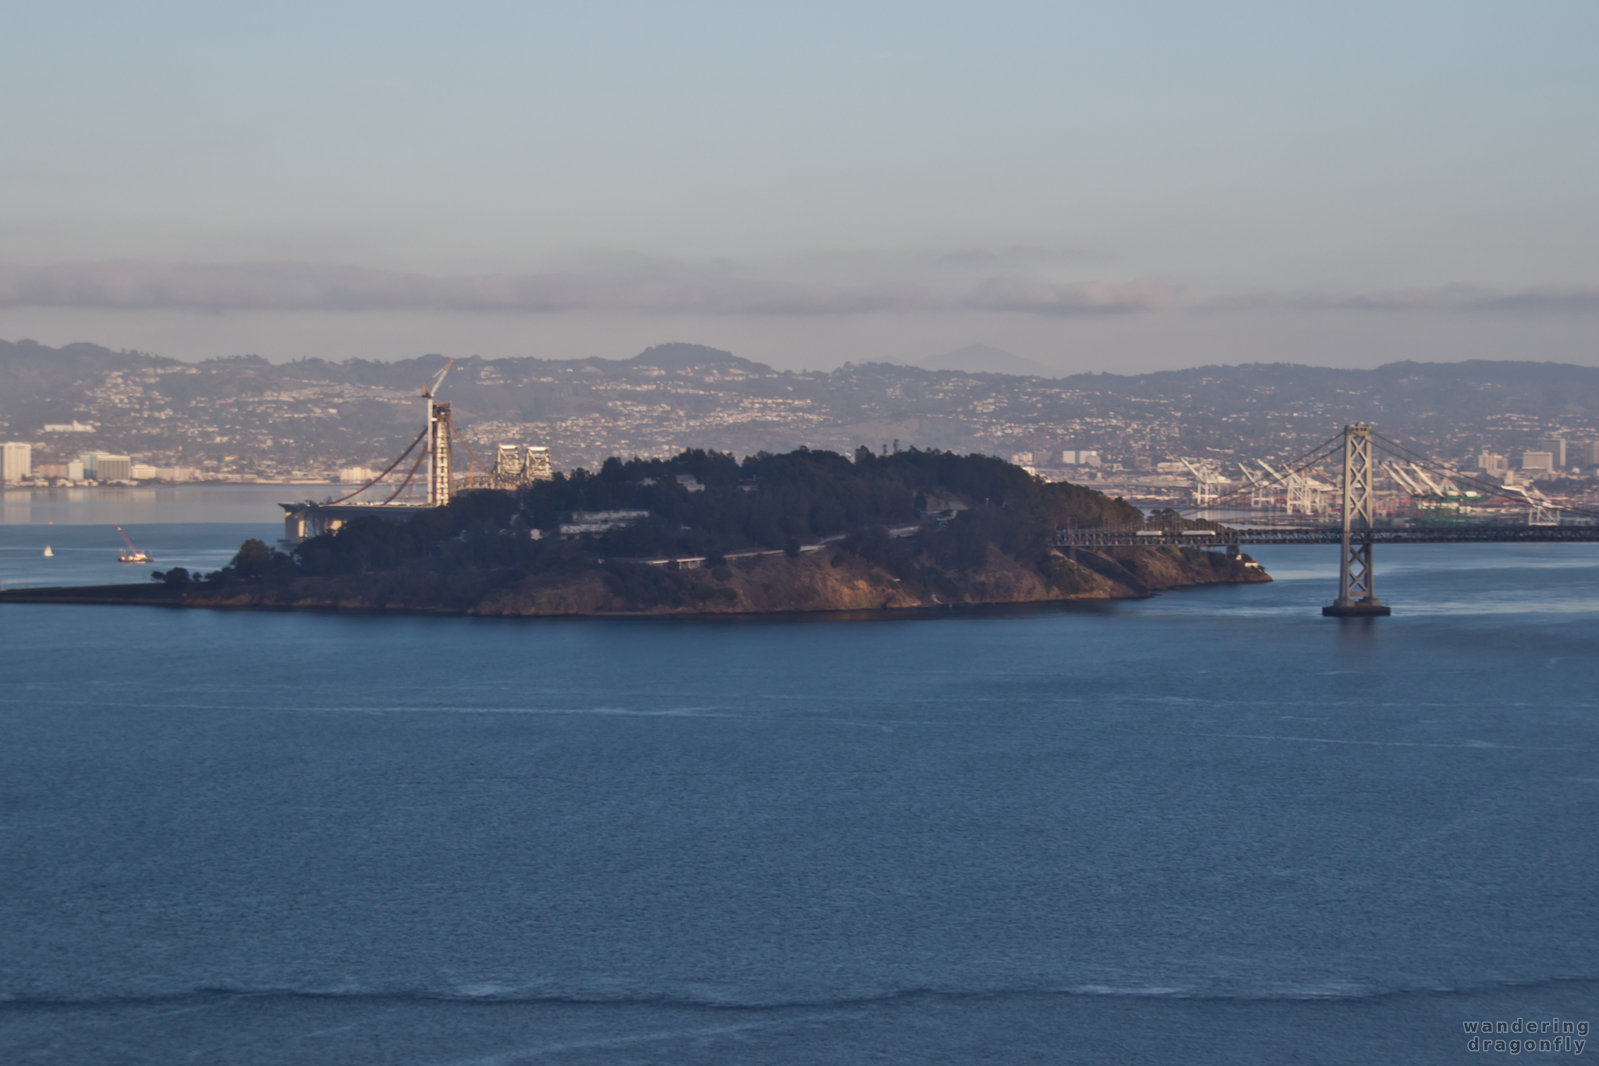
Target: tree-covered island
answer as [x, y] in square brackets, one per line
[705, 533]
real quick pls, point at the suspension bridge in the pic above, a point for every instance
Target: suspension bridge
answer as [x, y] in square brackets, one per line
[514, 467]
[1357, 450]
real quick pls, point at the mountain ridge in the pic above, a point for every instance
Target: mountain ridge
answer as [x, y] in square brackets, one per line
[244, 416]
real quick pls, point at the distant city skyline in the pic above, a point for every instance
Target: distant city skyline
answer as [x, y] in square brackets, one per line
[1146, 187]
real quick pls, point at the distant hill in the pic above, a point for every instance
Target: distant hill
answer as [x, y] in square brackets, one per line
[984, 359]
[33, 370]
[43, 384]
[678, 356]
[243, 416]
[1471, 390]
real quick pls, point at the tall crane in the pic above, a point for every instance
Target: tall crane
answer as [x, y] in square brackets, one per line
[1404, 480]
[429, 390]
[1204, 484]
[1433, 487]
[1303, 491]
[131, 554]
[1260, 494]
[1541, 510]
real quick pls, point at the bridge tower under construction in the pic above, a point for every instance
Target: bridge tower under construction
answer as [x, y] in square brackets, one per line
[438, 453]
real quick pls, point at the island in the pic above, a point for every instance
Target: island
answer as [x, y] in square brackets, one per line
[706, 534]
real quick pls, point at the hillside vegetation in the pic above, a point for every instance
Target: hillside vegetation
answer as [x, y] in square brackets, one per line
[807, 530]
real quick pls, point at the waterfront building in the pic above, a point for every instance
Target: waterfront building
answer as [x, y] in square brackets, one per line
[16, 462]
[104, 466]
[72, 470]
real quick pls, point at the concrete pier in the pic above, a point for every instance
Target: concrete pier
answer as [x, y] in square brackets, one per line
[1357, 609]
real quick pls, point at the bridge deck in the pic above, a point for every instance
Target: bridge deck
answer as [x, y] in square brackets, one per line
[1232, 537]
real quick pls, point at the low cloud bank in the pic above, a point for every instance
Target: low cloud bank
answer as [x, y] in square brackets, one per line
[1534, 299]
[644, 286]
[651, 286]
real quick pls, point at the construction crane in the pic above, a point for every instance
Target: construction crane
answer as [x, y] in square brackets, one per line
[1448, 479]
[1433, 487]
[428, 391]
[131, 554]
[1260, 494]
[1541, 510]
[1404, 480]
[1304, 493]
[1204, 484]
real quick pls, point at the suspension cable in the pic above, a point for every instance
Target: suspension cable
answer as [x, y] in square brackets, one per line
[386, 472]
[476, 462]
[1316, 455]
[407, 482]
[1400, 451]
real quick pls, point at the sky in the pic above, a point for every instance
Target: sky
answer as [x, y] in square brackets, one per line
[1106, 187]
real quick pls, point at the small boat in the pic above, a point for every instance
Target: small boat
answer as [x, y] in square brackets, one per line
[132, 554]
[48, 554]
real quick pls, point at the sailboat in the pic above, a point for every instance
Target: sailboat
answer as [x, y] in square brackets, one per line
[48, 554]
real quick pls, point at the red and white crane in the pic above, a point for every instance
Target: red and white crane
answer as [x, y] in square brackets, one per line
[131, 554]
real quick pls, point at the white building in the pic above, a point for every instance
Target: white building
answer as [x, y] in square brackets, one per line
[103, 466]
[1538, 461]
[1493, 464]
[72, 470]
[1556, 447]
[16, 462]
[599, 521]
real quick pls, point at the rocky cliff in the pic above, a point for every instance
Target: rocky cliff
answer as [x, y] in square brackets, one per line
[811, 582]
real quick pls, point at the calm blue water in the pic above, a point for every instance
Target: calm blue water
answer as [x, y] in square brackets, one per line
[1211, 827]
[197, 527]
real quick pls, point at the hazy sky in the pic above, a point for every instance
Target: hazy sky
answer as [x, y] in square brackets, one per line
[1106, 187]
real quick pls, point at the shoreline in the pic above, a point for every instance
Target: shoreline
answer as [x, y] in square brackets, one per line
[131, 595]
[124, 486]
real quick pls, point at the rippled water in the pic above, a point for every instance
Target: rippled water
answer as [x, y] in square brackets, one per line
[1208, 827]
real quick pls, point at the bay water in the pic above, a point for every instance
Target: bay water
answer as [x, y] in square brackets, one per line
[1207, 827]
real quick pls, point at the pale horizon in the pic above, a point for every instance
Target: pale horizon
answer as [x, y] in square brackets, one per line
[1092, 190]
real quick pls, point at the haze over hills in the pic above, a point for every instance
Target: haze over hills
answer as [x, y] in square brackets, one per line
[244, 416]
[985, 359]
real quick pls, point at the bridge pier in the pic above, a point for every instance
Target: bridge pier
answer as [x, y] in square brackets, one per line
[1356, 597]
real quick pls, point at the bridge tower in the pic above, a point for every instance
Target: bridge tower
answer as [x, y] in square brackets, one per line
[438, 458]
[1356, 599]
